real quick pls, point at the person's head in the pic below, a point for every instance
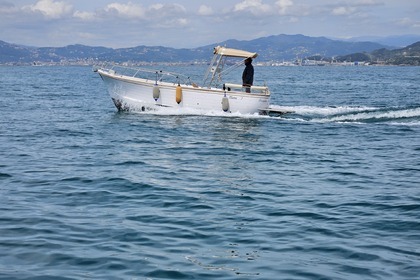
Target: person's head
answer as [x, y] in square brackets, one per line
[248, 61]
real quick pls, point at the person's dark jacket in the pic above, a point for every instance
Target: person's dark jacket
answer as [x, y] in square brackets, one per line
[248, 74]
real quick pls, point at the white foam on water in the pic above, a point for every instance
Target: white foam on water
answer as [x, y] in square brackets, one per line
[376, 115]
[413, 123]
[303, 113]
[322, 111]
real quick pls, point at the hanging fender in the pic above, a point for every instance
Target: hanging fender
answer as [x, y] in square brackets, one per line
[178, 94]
[225, 103]
[156, 92]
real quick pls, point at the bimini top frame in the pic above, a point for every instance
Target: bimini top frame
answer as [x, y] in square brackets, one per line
[215, 72]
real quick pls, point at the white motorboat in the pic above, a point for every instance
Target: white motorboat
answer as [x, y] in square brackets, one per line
[144, 89]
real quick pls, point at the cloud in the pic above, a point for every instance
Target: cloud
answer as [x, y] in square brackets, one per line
[182, 21]
[256, 7]
[128, 10]
[50, 9]
[166, 10]
[284, 5]
[205, 10]
[343, 11]
[167, 16]
[355, 8]
[169, 22]
[408, 22]
[138, 12]
[87, 16]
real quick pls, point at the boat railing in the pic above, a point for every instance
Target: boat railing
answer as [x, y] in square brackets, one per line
[252, 89]
[145, 73]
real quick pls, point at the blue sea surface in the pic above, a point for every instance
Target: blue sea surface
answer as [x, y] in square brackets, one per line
[330, 191]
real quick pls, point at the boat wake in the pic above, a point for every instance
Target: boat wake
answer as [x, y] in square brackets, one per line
[409, 116]
[354, 114]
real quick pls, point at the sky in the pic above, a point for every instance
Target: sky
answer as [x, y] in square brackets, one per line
[195, 23]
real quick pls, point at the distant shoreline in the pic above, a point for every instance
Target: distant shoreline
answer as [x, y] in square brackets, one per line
[142, 64]
[280, 50]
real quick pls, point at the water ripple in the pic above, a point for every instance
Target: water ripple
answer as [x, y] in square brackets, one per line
[328, 192]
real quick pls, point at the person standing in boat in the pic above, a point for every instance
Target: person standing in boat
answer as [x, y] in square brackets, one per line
[248, 75]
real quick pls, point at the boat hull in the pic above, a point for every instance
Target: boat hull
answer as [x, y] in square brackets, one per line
[132, 93]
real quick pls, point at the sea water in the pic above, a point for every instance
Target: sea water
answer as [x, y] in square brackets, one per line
[330, 191]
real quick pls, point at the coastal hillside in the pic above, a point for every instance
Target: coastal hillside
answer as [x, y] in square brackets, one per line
[271, 48]
[409, 55]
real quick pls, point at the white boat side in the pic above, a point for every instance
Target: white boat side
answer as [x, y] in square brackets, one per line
[140, 93]
[137, 93]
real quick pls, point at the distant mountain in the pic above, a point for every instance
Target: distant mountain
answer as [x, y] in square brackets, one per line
[69, 52]
[397, 41]
[13, 53]
[154, 54]
[272, 48]
[16, 54]
[409, 55]
[299, 46]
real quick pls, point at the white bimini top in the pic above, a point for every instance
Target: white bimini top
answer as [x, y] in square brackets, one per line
[233, 52]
